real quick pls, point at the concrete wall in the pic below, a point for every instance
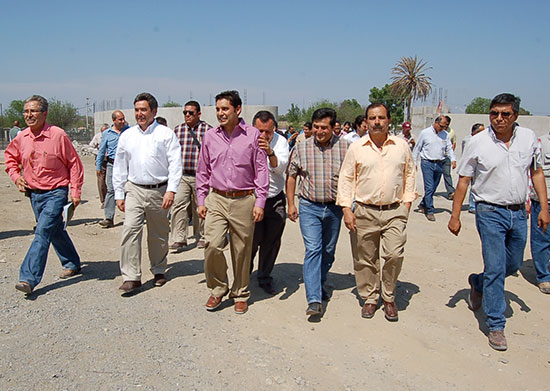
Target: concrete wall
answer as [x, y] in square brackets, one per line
[462, 123]
[174, 115]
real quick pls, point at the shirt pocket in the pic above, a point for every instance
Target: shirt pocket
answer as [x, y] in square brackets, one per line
[521, 159]
[50, 162]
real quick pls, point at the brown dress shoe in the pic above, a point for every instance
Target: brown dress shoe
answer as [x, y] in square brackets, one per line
[241, 307]
[160, 279]
[201, 244]
[67, 273]
[368, 310]
[430, 217]
[130, 286]
[213, 302]
[314, 309]
[390, 311]
[497, 340]
[474, 298]
[107, 223]
[24, 286]
[177, 245]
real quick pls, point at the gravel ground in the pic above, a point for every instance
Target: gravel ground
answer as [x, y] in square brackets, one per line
[80, 334]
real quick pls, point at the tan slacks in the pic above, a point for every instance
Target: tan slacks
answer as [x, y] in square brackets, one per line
[233, 215]
[143, 204]
[185, 196]
[380, 235]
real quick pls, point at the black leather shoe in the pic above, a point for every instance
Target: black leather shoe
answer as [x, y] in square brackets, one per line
[268, 288]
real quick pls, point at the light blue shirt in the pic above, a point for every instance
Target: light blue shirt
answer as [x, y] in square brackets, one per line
[109, 143]
[433, 146]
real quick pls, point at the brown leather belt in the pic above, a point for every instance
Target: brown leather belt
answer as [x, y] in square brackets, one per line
[233, 193]
[381, 207]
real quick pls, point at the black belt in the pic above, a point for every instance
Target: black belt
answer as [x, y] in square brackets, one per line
[512, 207]
[109, 160]
[381, 207]
[41, 191]
[320, 202]
[435, 161]
[152, 186]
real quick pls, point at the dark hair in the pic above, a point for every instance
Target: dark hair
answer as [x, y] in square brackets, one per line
[440, 117]
[232, 96]
[448, 119]
[308, 125]
[475, 127]
[264, 116]
[337, 121]
[113, 116]
[347, 123]
[195, 104]
[506, 99]
[358, 121]
[162, 121]
[374, 105]
[324, 112]
[153, 104]
[41, 101]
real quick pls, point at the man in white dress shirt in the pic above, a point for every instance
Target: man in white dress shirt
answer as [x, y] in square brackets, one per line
[500, 159]
[268, 232]
[146, 174]
[432, 146]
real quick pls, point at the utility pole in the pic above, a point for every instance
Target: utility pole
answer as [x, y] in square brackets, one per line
[87, 99]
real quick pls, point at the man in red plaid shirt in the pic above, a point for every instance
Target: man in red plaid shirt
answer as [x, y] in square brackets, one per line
[190, 135]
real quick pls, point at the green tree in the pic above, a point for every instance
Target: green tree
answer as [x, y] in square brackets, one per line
[293, 116]
[14, 112]
[62, 114]
[308, 113]
[349, 109]
[171, 104]
[394, 103]
[410, 81]
[478, 105]
[481, 105]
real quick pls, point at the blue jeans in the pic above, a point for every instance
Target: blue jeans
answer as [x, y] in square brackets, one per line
[110, 196]
[48, 209]
[320, 226]
[503, 236]
[540, 245]
[447, 178]
[431, 173]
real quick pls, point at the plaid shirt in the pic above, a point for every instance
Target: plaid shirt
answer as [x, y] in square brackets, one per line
[318, 168]
[189, 150]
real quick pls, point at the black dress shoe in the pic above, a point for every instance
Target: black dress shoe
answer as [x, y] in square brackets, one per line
[268, 288]
[314, 309]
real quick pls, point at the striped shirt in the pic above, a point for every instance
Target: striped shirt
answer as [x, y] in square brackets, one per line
[189, 149]
[318, 167]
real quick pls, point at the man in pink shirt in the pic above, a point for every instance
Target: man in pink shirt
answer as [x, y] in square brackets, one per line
[50, 164]
[234, 167]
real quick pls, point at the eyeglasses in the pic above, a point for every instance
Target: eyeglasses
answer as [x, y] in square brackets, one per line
[505, 114]
[185, 112]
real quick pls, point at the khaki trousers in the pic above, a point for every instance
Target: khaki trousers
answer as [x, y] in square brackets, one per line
[233, 215]
[143, 204]
[380, 234]
[185, 196]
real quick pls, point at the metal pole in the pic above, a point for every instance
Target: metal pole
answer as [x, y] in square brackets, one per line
[87, 114]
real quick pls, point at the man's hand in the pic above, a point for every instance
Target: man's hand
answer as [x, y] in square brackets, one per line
[292, 213]
[349, 219]
[76, 201]
[120, 205]
[408, 205]
[98, 173]
[453, 165]
[201, 211]
[543, 219]
[167, 199]
[454, 225]
[262, 142]
[258, 214]
[21, 184]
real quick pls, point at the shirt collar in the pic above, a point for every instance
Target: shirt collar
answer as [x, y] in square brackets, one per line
[368, 140]
[45, 132]
[149, 129]
[240, 126]
[494, 136]
[331, 142]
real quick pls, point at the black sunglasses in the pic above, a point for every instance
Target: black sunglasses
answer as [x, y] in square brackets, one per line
[505, 114]
[185, 112]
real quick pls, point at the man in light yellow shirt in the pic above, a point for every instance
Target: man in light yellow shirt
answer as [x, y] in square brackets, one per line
[379, 174]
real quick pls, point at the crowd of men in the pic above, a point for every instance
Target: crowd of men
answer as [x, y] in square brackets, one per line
[238, 182]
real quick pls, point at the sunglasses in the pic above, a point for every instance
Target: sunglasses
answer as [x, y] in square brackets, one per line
[185, 112]
[505, 114]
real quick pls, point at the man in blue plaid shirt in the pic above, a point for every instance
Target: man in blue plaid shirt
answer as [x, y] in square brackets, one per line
[190, 135]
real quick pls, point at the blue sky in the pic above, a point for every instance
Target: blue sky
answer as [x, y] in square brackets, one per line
[281, 52]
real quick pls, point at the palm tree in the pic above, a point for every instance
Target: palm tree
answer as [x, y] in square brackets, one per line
[410, 81]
